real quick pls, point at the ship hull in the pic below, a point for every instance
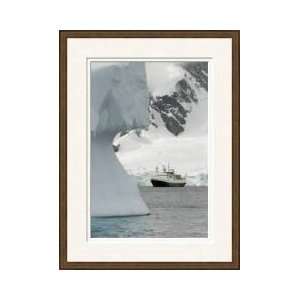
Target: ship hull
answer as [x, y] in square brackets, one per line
[160, 183]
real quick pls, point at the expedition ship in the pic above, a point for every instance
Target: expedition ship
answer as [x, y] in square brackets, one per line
[167, 178]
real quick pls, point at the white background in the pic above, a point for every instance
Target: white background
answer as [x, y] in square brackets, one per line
[270, 147]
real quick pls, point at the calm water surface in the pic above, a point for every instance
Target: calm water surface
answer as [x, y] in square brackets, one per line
[175, 213]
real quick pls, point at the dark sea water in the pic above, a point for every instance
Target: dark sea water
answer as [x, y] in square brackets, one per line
[174, 213]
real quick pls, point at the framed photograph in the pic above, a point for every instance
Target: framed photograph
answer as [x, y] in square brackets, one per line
[149, 149]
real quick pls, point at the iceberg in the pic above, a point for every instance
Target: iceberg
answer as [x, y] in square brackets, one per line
[119, 102]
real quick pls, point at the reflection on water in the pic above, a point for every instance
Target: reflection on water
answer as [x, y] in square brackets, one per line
[175, 213]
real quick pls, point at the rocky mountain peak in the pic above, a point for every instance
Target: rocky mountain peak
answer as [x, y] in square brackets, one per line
[175, 107]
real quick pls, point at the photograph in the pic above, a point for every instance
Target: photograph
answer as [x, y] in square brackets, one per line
[149, 148]
[149, 128]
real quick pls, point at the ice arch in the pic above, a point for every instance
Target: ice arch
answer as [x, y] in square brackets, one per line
[119, 101]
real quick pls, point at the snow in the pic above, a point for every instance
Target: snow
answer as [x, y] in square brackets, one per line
[157, 132]
[197, 119]
[120, 102]
[186, 153]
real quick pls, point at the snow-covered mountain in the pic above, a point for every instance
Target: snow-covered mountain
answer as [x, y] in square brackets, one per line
[185, 102]
[177, 135]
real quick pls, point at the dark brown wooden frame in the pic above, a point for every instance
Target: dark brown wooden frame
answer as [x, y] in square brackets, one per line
[232, 34]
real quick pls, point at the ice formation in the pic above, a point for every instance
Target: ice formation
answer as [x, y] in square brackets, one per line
[119, 102]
